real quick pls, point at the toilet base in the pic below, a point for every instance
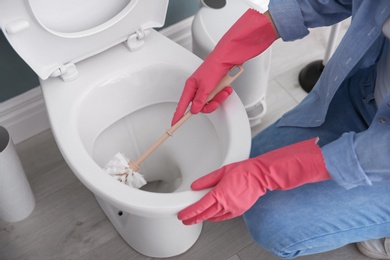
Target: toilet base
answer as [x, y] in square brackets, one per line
[153, 237]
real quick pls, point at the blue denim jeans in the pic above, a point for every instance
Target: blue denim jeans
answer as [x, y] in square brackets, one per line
[319, 217]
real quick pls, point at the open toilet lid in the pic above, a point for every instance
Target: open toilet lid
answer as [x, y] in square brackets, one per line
[52, 35]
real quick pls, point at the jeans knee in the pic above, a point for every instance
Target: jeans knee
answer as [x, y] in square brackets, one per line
[271, 138]
[271, 237]
[261, 145]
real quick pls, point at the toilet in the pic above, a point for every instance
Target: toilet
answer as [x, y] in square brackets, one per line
[111, 84]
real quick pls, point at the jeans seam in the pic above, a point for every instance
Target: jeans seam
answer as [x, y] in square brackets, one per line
[280, 253]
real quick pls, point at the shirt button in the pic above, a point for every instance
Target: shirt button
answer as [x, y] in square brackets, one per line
[388, 104]
[382, 120]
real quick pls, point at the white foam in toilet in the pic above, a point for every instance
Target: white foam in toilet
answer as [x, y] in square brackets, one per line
[119, 95]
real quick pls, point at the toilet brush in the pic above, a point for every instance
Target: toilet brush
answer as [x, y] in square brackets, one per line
[126, 171]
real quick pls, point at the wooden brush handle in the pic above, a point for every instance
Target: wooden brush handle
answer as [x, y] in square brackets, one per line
[225, 81]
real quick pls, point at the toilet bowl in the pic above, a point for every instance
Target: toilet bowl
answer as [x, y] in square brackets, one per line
[121, 97]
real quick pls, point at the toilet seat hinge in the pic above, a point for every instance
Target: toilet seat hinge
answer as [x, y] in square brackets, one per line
[67, 72]
[136, 41]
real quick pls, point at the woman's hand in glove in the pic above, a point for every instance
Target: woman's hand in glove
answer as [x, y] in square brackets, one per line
[252, 34]
[237, 186]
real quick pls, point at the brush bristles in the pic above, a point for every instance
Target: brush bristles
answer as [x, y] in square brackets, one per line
[118, 168]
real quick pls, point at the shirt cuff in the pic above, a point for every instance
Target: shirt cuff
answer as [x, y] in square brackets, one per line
[288, 19]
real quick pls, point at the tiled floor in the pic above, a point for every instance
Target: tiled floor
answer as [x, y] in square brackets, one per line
[67, 222]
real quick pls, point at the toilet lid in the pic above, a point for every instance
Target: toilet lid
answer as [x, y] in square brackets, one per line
[53, 35]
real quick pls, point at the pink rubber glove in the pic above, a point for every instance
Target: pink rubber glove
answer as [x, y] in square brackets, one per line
[252, 34]
[237, 186]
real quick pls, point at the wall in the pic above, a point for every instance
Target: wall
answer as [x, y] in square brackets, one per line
[16, 77]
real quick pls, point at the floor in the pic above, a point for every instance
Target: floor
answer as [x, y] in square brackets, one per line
[67, 222]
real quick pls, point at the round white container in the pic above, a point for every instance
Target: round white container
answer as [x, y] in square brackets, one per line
[16, 198]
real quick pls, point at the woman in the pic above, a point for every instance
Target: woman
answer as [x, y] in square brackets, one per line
[319, 177]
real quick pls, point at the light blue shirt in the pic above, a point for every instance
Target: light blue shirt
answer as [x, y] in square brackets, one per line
[366, 155]
[382, 86]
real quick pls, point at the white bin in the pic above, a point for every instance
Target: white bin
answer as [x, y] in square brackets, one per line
[16, 198]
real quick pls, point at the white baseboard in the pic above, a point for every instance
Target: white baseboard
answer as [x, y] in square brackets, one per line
[25, 115]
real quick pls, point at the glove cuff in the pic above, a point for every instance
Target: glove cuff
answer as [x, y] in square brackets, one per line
[249, 36]
[293, 166]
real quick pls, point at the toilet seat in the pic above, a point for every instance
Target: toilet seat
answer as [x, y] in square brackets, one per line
[53, 35]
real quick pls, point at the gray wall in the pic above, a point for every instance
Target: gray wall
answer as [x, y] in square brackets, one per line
[16, 77]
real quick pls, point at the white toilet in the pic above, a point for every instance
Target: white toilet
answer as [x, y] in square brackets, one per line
[111, 83]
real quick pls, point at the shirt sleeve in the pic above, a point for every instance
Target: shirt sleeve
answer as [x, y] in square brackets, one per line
[360, 158]
[292, 18]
